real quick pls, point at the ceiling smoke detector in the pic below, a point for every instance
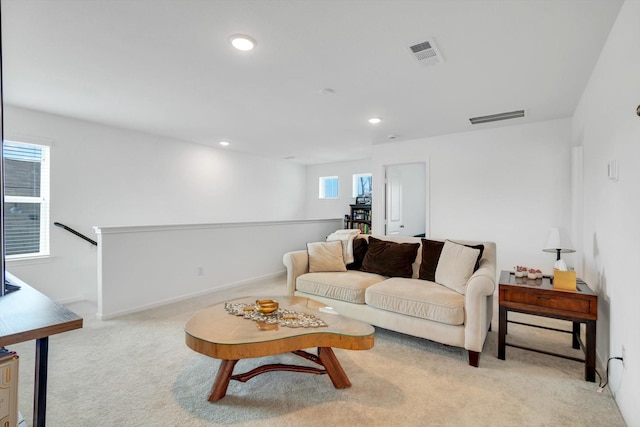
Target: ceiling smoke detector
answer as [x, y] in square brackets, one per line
[426, 53]
[496, 117]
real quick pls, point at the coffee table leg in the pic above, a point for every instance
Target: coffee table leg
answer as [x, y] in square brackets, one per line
[333, 367]
[219, 389]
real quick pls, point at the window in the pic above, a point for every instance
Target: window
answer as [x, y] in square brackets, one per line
[328, 187]
[26, 199]
[361, 184]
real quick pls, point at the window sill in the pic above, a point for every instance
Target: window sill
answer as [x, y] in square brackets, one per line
[15, 262]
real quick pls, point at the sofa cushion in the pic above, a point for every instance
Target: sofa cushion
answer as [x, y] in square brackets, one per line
[360, 247]
[417, 298]
[390, 258]
[431, 250]
[456, 265]
[325, 256]
[348, 286]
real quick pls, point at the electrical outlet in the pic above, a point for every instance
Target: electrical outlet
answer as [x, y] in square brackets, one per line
[623, 355]
[200, 271]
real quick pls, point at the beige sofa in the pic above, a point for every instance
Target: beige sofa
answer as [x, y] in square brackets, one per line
[408, 305]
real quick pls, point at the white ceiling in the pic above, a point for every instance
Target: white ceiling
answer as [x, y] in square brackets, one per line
[165, 67]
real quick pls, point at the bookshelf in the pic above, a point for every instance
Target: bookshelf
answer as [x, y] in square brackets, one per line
[360, 218]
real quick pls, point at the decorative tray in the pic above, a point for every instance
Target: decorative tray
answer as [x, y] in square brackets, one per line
[281, 317]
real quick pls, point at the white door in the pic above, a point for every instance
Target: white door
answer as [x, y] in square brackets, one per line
[405, 199]
[394, 201]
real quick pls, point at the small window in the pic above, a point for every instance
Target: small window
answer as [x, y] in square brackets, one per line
[26, 199]
[328, 187]
[361, 184]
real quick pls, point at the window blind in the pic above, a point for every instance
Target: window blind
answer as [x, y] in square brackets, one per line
[26, 182]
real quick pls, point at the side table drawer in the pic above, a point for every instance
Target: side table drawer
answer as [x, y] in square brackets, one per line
[572, 304]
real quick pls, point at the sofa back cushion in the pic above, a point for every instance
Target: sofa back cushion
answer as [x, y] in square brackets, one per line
[390, 259]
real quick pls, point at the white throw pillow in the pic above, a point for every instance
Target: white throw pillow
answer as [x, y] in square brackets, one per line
[325, 256]
[456, 265]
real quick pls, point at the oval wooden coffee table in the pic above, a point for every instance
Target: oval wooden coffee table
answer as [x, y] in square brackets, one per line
[216, 333]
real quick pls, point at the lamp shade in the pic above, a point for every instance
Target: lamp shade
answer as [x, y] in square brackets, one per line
[556, 243]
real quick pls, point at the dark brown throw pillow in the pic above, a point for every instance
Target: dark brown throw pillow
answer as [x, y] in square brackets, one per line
[359, 251]
[390, 259]
[431, 250]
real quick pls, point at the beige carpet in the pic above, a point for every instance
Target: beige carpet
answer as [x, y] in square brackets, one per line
[137, 371]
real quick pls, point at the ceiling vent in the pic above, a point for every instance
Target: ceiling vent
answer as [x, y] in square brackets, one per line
[497, 117]
[426, 53]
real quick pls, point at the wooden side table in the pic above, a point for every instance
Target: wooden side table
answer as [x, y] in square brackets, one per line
[539, 298]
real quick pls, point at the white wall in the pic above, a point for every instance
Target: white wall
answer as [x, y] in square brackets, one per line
[333, 208]
[142, 267]
[606, 125]
[508, 185]
[106, 176]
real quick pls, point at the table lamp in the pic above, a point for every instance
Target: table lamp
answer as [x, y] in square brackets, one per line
[557, 245]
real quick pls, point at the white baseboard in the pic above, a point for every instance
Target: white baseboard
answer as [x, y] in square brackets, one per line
[108, 316]
[70, 300]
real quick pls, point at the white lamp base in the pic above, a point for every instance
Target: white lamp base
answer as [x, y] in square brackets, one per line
[560, 265]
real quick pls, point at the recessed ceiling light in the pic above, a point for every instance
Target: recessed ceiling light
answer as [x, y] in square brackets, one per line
[224, 143]
[375, 120]
[242, 42]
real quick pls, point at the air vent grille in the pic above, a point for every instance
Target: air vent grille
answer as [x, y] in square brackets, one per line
[496, 117]
[426, 52]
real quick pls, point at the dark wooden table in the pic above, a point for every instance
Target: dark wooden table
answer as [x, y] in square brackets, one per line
[29, 315]
[539, 298]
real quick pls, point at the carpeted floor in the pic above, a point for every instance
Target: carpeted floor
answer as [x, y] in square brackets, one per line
[137, 371]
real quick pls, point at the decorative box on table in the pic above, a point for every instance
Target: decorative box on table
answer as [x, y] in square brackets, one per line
[564, 280]
[8, 388]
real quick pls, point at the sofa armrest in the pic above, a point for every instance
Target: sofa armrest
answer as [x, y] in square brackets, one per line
[478, 302]
[297, 263]
[480, 285]
[478, 309]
